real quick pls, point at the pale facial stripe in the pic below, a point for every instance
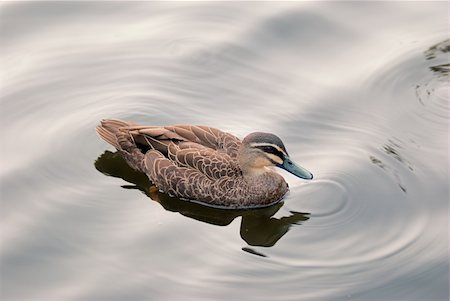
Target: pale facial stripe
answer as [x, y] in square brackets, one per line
[268, 144]
[275, 158]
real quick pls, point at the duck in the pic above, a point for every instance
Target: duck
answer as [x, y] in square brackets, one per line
[205, 165]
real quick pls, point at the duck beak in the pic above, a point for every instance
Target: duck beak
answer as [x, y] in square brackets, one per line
[295, 169]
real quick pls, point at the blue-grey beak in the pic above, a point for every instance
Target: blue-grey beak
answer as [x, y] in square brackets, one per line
[295, 169]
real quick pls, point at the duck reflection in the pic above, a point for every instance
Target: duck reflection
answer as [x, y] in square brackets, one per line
[258, 226]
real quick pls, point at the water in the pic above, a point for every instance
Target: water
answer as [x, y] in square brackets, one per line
[359, 93]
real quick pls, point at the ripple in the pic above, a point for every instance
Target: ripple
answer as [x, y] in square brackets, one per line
[324, 198]
[434, 96]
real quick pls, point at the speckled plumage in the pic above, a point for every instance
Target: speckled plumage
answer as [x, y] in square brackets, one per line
[197, 163]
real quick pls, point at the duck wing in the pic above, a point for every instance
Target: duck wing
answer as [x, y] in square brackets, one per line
[191, 184]
[212, 163]
[209, 137]
[186, 136]
[210, 151]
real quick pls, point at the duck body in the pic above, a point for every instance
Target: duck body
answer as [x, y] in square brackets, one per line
[203, 164]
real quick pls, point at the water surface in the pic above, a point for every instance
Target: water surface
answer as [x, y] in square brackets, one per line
[359, 93]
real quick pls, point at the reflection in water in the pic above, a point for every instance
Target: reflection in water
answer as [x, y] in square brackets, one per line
[442, 69]
[394, 173]
[392, 149]
[258, 226]
[433, 51]
[439, 51]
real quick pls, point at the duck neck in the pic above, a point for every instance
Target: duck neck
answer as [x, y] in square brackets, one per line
[254, 172]
[247, 163]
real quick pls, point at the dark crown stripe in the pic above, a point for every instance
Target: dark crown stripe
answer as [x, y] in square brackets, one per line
[271, 150]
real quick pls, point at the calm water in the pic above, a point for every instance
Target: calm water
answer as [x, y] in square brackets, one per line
[359, 92]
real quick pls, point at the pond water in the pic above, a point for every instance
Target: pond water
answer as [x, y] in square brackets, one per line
[359, 93]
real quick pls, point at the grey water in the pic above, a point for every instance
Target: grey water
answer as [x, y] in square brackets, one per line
[358, 91]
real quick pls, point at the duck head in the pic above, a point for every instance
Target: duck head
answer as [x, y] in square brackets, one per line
[259, 150]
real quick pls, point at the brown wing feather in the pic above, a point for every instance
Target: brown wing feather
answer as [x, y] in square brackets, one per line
[171, 178]
[208, 150]
[209, 137]
[191, 184]
[211, 163]
[153, 137]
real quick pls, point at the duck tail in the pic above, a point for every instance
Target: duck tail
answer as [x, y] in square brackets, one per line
[108, 130]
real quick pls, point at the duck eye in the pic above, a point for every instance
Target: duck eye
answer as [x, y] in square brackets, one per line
[268, 149]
